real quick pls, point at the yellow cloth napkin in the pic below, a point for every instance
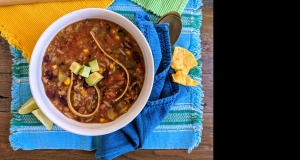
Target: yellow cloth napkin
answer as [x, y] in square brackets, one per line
[22, 25]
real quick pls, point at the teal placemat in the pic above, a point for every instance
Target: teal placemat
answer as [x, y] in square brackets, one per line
[181, 129]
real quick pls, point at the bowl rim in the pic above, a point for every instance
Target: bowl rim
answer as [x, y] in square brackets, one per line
[37, 88]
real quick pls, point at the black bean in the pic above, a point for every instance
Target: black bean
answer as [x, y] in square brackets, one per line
[46, 58]
[50, 94]
[120, 31]
[105, 74]
[49, 75]
[85, 85]
[136, 57]
[63, 100]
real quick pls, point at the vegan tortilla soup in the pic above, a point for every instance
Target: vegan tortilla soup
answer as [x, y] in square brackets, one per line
[73, 60]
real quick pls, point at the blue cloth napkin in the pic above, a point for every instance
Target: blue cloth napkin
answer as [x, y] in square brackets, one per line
[164, 94]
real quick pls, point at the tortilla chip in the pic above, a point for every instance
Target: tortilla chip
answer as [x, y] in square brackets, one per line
[184, 79]
[183, 60]
[185, 72]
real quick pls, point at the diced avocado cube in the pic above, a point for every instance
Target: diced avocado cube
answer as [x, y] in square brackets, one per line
[94, 65]
[62, 76]
[84, 71]
[75, 67]
[93, 78]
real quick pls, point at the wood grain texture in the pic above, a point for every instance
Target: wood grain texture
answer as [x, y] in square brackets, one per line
[203, 152]
[207, 58]
[6, 57]
[208, 4]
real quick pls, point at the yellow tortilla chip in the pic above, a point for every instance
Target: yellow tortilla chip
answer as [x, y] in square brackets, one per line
[185, 72]
[183, 60]
[184, 79]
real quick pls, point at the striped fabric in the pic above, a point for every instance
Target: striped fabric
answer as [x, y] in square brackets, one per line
[181, 128]
[161, 7]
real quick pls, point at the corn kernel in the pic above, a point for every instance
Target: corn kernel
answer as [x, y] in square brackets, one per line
[85, 50]
[128, 53]
[67, 81]
[100, 70]
[82, 92]
[111, 66]
[102, 120]
[112, 31]
[54, 66]
[117, 37]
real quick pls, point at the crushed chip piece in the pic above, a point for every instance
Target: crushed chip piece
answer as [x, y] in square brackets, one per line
[184, 79]
[183, 60]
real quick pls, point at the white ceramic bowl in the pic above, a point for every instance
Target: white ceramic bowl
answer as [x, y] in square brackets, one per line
[35, 73]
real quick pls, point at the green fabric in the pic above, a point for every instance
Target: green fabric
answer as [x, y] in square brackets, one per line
[161, 7]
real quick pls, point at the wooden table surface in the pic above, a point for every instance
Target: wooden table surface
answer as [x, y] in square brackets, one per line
[203, 152]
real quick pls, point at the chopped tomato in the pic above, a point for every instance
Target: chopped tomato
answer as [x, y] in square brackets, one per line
[110, 80]
[91, 91]
[118, 77]
[103, 112]
[110, 94]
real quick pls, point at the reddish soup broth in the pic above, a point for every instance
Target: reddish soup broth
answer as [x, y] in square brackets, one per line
[75, 44]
